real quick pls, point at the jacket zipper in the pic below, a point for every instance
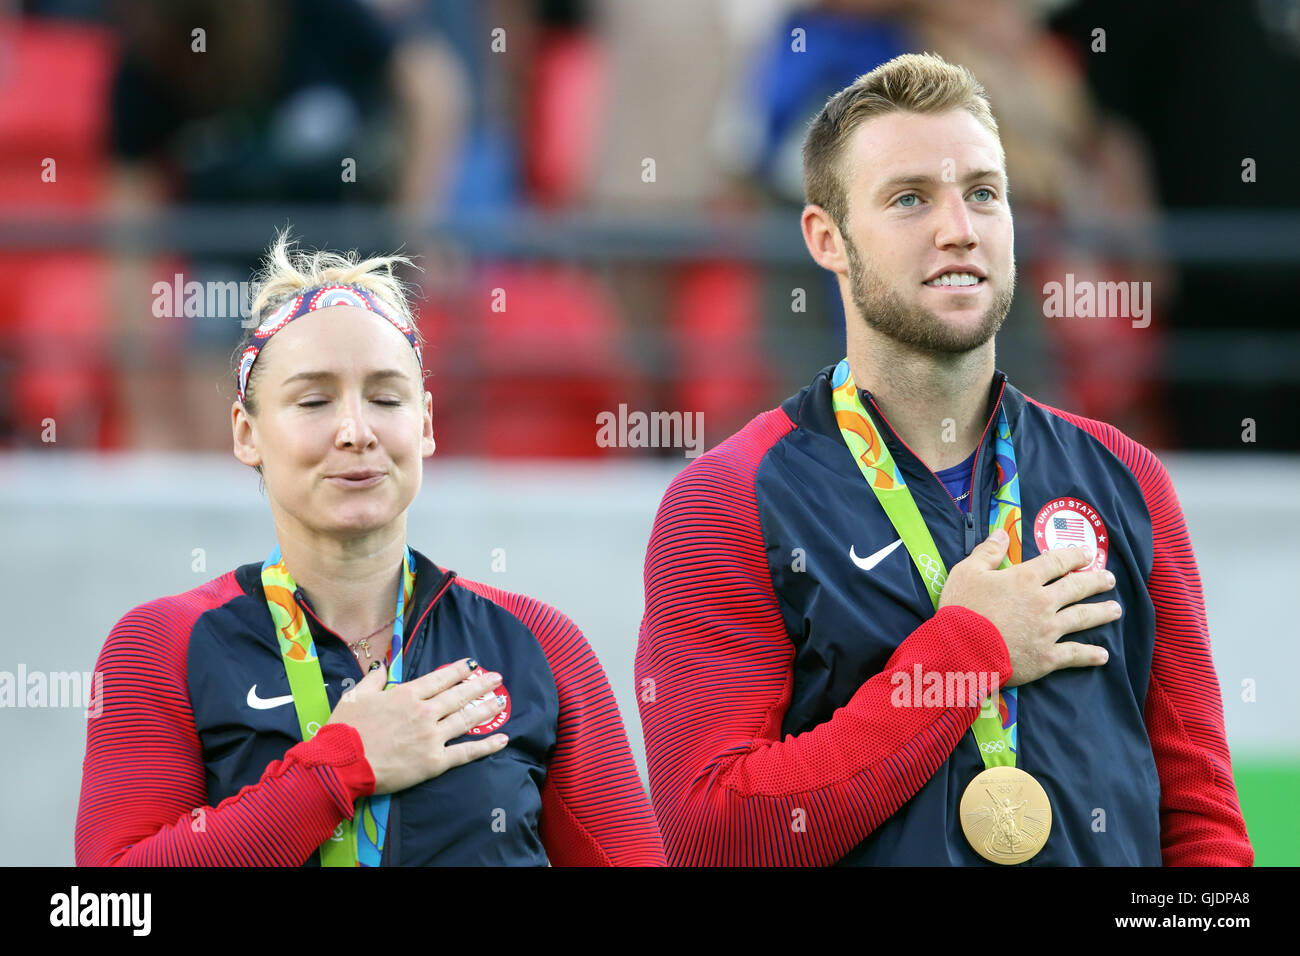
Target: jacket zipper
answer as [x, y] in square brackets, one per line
[970, 528]
[390, 850]
[302, 603]
[442, 589]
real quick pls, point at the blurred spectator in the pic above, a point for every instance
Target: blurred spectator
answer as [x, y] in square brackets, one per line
[811, 53]
[670, 65]
[1071, 165]
[1211, 85]
[484, 166]
[271, 102]
[478, 113]
[1066, 163]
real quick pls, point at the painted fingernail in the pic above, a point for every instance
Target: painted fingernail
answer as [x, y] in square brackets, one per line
[501, 701]
[472, 664]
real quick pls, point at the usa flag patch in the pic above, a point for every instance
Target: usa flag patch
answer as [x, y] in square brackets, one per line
[1069, 522]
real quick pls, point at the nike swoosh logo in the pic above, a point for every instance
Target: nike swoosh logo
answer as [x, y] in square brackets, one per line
[266, 703]
[871, 560]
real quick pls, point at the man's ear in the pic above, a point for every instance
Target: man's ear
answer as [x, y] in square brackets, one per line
[823, 239]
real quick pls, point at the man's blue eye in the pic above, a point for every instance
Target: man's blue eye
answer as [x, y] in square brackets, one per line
[983, 189]
[908, 196]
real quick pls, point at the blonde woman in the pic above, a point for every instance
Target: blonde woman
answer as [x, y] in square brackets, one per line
[347, 701]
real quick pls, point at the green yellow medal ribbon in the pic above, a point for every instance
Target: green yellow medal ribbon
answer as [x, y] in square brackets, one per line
[1005, 813]
[350, 844]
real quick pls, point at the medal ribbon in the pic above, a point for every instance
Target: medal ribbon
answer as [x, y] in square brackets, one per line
[350, 844]
[995, 727]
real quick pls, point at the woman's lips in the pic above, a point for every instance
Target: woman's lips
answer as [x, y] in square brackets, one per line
[343, 482]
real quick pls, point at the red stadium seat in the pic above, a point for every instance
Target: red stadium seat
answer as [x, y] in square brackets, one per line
[550, 359]
[55, 320]
[1103, 367]
[563, 115]
[56, 330]
[450, 356]
[71, 67]
[718, 347]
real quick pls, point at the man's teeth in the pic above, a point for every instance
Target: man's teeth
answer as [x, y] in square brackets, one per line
[955, 278]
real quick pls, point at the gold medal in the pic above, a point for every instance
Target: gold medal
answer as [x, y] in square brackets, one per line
[1005, 815]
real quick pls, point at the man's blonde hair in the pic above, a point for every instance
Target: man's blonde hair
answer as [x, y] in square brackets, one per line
[914, 83]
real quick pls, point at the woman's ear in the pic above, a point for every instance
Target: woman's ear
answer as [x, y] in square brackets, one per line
[245, 441]
[427, 444]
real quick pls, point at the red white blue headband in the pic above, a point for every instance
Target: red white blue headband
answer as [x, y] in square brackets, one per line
[309, 300]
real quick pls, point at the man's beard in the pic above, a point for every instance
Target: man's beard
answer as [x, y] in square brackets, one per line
[914, 325]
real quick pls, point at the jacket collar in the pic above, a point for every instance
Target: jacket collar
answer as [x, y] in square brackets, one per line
[431, 584]
[812, 410]
[812, 407]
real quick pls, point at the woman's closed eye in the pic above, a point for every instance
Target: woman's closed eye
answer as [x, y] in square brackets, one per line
[317, 402]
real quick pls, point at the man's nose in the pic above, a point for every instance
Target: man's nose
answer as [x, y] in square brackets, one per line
[956, 229]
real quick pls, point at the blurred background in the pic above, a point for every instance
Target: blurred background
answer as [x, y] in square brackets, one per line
[604, 198]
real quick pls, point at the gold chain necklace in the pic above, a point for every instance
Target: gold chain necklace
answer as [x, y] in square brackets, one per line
[364, 643]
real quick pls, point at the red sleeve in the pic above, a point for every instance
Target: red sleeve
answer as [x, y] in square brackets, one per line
[714, 675]
[143, 777]
[1200, 817]
[594, 809]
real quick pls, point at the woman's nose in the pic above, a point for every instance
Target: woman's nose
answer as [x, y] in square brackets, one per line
[353, 427]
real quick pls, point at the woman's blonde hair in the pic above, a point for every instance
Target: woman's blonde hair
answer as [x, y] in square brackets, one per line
[285, 271]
